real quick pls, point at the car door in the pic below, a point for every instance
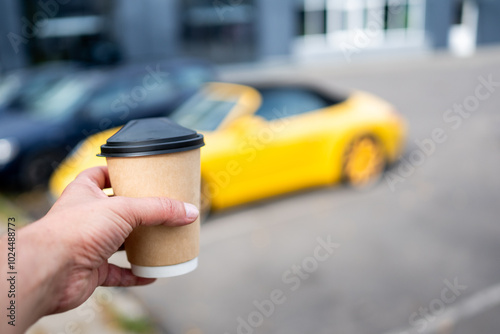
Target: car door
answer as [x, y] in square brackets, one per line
[276, 144]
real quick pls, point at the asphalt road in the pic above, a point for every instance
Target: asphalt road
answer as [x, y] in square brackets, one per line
[416, 255]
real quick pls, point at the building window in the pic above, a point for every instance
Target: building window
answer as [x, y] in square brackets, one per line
[396, 15]
[312, 17]
[331, 22]
[75, 30]
[221, 30]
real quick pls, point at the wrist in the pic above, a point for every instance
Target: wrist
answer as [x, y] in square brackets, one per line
[41, 261]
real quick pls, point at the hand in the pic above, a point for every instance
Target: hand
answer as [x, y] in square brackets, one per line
[64, 256]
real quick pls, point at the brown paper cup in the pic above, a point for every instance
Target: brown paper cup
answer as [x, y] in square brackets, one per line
[160, 251]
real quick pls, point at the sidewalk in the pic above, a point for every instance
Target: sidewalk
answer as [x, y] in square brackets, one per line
[108, 310]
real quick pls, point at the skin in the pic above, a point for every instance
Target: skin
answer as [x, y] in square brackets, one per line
[63, 257]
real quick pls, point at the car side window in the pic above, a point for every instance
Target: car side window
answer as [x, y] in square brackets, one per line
[285, 102]
[101, 104]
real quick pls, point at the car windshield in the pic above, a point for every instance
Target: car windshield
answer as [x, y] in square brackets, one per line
[35, 87]
[55, 101]
[202, 112]
[8, 88]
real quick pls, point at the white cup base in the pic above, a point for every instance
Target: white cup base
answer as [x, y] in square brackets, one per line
[165, 271]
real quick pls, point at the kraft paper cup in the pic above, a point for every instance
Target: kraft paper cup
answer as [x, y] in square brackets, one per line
[158, 158]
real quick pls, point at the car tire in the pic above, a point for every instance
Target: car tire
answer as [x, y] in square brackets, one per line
[364, 162]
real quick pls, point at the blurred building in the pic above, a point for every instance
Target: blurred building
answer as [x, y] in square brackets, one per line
[228, 31]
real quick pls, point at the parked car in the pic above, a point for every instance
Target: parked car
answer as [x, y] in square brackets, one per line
[272, 139]
[43, 128]
[21, 84]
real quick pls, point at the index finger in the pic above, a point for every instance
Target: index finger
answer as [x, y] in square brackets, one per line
[97, 176]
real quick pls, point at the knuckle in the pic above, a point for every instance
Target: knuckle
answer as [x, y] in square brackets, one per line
[168, 206]
[127, 215]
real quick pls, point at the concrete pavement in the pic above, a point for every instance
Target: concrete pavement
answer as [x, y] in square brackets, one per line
[405, 255]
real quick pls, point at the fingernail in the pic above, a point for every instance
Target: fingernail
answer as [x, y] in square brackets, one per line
[191, 211]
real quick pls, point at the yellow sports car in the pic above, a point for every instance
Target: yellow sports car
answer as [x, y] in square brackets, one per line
[272, 139]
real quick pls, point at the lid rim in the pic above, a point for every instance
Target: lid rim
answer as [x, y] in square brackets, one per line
[194, 135]
[153, 147]
[149, 153]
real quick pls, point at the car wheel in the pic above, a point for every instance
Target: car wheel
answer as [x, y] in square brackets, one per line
[364, 162]
[205, 202]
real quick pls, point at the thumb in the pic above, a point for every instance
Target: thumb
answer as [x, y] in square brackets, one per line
[154, 211]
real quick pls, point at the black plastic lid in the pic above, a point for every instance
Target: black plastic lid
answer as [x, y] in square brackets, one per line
[151, 136]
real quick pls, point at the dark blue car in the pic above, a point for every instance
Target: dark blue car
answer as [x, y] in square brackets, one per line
[43, 128]
[22, 84]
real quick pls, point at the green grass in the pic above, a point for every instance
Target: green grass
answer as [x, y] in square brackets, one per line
[141, 325]
[8, 210]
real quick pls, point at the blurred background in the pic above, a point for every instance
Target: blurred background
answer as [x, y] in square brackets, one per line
[416, 252]
[235, 31]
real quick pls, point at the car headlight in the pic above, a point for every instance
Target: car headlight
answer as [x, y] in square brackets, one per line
[8, 150]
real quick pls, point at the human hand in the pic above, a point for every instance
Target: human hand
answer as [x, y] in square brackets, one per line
[65, 254]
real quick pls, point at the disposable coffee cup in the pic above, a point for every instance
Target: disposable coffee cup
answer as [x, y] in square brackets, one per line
[156, 157]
